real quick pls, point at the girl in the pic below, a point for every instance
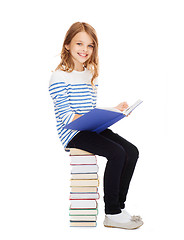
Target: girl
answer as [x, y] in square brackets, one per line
[73, 88]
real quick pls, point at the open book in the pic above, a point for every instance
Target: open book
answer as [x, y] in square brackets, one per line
[98, 119]
[126, 111]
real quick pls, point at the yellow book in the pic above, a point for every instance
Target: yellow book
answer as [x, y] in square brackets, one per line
[84, 176]
[84, 182]
[77, 151]
[84, 189]
[83, 224]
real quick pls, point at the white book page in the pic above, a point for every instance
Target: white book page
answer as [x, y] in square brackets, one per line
[132, 107]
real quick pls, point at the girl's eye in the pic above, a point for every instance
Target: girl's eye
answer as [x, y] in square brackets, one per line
[89, 45]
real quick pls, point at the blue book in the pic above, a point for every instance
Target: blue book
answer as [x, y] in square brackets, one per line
[98, 119]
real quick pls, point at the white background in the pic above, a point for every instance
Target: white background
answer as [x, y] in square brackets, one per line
[141, 55]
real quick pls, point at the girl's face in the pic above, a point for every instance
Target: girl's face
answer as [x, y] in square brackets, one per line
[81, 49]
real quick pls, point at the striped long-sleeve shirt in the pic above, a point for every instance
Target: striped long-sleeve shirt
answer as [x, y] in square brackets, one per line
[72, 94]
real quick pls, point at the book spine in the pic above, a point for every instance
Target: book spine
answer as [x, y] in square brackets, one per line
[82, 163]
[98, 196]
[93, 201]
[85, 182]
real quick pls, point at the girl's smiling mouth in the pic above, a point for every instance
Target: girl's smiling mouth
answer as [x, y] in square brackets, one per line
[82, 55]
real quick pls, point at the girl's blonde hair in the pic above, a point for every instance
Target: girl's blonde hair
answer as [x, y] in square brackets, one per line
[92, 63]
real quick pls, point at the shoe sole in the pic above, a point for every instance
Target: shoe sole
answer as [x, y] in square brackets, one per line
[123, 227]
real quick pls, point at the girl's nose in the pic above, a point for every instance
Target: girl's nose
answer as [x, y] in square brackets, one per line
[85, 49]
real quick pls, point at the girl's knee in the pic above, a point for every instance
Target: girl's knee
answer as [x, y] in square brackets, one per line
[134, 152]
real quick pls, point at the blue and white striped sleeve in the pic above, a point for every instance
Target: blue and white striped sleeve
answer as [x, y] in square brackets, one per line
[63, 111]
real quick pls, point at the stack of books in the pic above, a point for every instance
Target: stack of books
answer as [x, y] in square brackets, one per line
[84, 184]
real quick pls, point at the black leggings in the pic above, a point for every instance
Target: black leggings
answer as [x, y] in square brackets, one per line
[121, 161]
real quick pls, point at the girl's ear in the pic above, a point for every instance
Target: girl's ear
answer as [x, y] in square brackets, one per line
[67, 47]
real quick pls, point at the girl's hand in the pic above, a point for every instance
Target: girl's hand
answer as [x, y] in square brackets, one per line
[122, 106]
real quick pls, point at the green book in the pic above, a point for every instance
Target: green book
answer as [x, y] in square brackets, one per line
[83, 212]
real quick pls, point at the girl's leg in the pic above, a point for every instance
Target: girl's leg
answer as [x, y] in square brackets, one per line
[132, 155]
[115, 154]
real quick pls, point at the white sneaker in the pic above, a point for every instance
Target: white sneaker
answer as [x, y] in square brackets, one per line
[131, 222]
[128, 215]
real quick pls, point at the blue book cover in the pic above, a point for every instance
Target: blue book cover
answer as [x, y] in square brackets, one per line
[95, 120]
[98, 119]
